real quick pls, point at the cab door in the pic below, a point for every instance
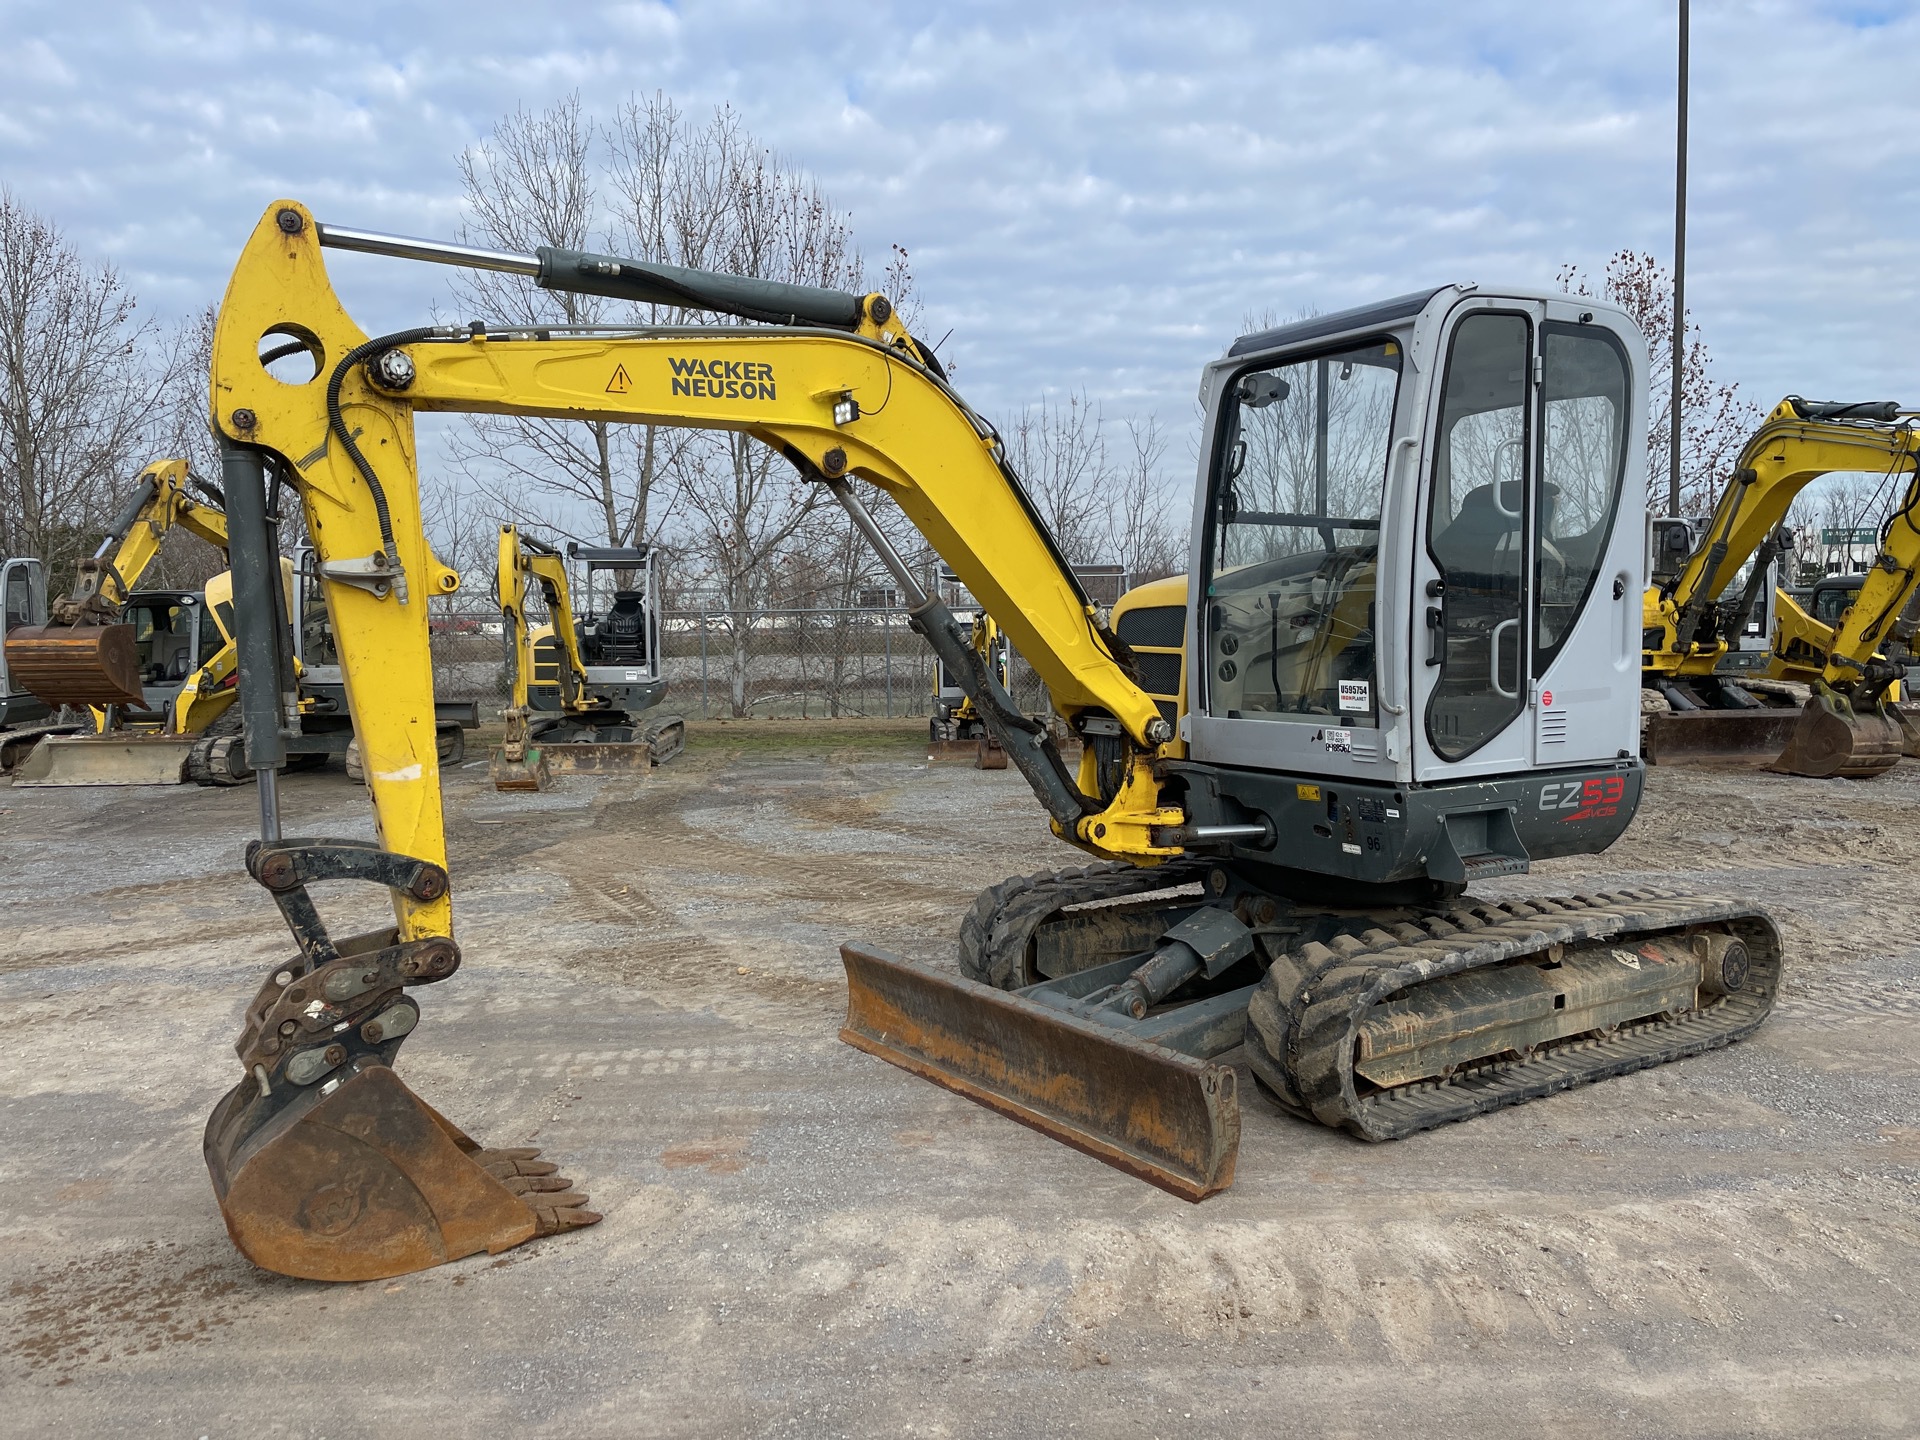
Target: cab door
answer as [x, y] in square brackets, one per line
[1473, 567]
[1527, 564]
[1587, 558]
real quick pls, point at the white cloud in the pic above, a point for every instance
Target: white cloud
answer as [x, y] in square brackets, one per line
[1095, 195]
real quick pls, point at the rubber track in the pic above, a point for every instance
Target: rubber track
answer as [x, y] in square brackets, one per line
[997, 933]
[201, 768]
[1300, 1041]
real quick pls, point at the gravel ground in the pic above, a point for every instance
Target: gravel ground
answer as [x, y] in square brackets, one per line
[802, 1240]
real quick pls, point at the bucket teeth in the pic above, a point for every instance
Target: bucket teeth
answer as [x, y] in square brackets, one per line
[553, 1214]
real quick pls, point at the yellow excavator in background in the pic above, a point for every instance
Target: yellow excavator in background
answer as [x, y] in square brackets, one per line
[1412, 641]
[582, 684]
[1851, 725]
[155, 667]
[956, 731]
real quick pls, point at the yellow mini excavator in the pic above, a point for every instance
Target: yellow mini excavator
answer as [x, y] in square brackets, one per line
[583, 683]
[956, 731]
[1850, 726]
[155, 667]
[1413, 643]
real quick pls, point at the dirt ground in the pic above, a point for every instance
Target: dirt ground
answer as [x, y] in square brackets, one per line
[802, 1240]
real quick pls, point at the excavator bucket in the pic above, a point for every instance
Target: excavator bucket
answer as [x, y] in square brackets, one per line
[362, 1180]
[529, 772]
[1831, 740]
[110, 759]
[1167, 1117]
[76, 664]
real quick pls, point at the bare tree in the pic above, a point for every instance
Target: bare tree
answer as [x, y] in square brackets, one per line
[1716, 420]
[1060, 452]
[711, 197]
[1146, 522]
[81, 381]
[532, 184]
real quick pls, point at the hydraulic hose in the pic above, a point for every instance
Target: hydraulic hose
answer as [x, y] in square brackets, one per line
[337, 425]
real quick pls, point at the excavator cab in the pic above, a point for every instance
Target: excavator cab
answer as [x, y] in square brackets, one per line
[1421, 571]
[23, 605]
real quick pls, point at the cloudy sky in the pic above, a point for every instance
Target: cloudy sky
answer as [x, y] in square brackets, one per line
[1094, 195]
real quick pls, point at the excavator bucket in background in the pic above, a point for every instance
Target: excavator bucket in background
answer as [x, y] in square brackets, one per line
[1832, 740]
[983, 753]
[1160, 1114]
[76, 665]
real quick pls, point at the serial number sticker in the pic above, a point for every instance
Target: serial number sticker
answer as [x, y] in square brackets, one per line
[1338, 742]
[1392, 814]
[1349, 849]
[1307, 792]
[1356, 695]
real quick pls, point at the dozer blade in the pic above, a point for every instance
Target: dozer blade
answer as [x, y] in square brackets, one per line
[1707, 737]
[1166, 1117]
[105, 760]
[598, 757]
[953, 752]
[363, 1180]
[76, 664]
[1829, 742]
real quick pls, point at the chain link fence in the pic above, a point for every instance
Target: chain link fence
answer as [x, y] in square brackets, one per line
[808, 663]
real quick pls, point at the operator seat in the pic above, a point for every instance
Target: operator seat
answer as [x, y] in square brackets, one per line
[622, 635]
[1469, 548]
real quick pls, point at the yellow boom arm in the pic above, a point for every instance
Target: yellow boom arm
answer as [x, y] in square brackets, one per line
[159, 503]
[519, 561]
[837, 404]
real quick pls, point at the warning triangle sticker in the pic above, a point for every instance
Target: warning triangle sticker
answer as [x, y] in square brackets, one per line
[620, 384]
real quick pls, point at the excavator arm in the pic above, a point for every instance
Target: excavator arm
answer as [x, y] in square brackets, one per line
[829, 380]
[858, 401]
[523, 559]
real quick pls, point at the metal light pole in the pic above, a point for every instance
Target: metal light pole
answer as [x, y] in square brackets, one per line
[1678, 385]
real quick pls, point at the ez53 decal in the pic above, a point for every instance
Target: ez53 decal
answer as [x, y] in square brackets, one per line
[1593, 799]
